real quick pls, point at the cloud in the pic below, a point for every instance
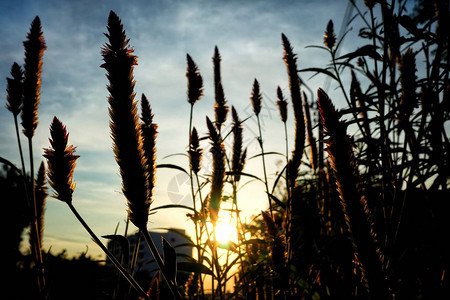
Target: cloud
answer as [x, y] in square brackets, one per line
[248, 35]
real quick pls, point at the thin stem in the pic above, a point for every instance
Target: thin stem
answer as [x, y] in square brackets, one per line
[191, 178]
[216, 261]
[117, 264]
[20, 146]
[202, 252]
[160, 263]
[289, 201]
[35, 226]
[240, 232]
[264, 165]
[287, 162]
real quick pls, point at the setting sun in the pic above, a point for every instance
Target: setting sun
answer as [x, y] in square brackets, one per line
[308, 158]
[225, 232]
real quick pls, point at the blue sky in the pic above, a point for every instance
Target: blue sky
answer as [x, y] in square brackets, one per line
[248, 34]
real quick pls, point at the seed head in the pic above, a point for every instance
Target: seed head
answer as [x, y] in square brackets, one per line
[34, 50]
[61, 162]
[282, 105]
[195, 81]
[238, 156]
[256, 98]
[149, 131]
[14, 90]
[195, 152]
[218, 171]
[124, 124]
[329, 39]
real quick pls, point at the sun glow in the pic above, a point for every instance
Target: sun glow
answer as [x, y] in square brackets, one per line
[225, 232]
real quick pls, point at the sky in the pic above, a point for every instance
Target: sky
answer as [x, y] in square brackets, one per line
[248, 35]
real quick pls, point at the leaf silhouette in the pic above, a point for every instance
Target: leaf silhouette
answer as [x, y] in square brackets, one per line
[124, 245]
[367, 50]
[170, 260]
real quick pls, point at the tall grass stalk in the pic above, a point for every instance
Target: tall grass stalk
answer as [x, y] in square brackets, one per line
[194, 94]
[126, 133]
[282, 109]
[220, 108]
[354, 202]
[215, 195]
[14, 103]
[195, 155]
[61, 165]
[256, 100]
[34, 50]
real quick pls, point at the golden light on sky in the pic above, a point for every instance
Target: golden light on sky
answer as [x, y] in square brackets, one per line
[226, 232]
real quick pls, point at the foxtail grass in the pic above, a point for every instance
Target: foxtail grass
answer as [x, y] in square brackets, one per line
[282, 105]
[194, 86]
[218, 171]
[277, 246]
[125, 129]
[358, 100]
[215, 196]
[238, 155]
[354, 202]
[61, 163]
[290, 60]
[294, 162]
[310, 135]
[283, 111]
[329, 39]
[220, 107]
[194, 94]
[34, 50]
[256, 101]
[195, 81]
[149, 131]
[14, 98]
[195, 152]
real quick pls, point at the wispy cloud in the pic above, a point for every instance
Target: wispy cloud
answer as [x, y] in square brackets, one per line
[248, 34]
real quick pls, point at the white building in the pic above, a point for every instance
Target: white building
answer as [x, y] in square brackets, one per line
[145, 261]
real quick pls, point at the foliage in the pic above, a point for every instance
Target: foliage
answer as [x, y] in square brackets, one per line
[361, 216]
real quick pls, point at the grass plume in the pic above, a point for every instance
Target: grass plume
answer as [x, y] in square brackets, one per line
[290, 60]
[14, 90]
[218, 171]
[282, 105]
[309, 131]
[220, 108]
[125, 128]
[14, 98]
[354, 203]
[61, 162]
[149, 131]
[195, 152]
[34, 51]
[256, 98]
[238, 155]
[329, 39]
[195, 81]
